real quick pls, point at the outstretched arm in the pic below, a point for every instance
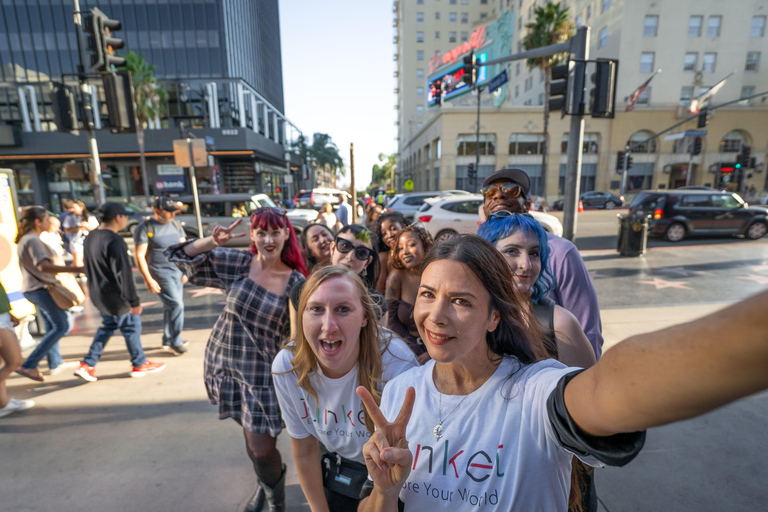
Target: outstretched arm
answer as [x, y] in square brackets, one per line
[220, 236]
[676, 373]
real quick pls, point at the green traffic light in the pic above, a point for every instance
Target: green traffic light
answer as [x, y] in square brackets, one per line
[738, 166]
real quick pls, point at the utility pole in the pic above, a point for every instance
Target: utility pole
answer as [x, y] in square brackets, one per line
[477, 142]
[352, 176]
[689, 172]
[625, 168]
[89, 113]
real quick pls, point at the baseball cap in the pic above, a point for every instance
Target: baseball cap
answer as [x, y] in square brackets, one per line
[165, 203]
[514, 175]
[111, 210]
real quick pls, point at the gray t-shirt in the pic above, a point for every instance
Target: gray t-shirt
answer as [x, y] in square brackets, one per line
[31, 251]
[159, 236]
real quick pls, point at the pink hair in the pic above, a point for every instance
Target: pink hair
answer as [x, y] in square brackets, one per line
[291, 255]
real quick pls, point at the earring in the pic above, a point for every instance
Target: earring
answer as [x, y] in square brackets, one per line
[364, 272]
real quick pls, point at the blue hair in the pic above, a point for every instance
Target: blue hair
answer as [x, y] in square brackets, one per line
[495, 228]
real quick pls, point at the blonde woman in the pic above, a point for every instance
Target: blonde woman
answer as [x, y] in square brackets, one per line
[338, 347]
[327, 218]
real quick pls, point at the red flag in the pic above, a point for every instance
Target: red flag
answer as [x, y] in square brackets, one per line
[635, 95]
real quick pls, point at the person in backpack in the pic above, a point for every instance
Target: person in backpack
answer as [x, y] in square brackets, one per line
[152, 237]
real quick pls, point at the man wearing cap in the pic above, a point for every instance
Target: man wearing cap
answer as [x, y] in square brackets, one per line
[507, 189]
[111, 288]
[152, 237]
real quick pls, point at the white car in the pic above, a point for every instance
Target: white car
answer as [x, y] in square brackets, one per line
[444, 217]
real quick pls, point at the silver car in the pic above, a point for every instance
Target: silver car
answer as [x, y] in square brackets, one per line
[408, 204]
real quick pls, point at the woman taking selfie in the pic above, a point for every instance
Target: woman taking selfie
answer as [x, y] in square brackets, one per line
[316, 240]
[338, 347]
[385, 231]
[247, 335]
[503, 424]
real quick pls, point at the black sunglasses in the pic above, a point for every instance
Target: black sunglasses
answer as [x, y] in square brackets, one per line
[510, 189]
[361, 253]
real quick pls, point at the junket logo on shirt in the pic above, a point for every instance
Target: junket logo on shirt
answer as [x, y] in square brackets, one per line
[333, 420]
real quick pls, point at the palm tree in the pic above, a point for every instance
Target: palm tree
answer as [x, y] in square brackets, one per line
[149, 99]
[326, 154]
[383, 174]
[550, 26]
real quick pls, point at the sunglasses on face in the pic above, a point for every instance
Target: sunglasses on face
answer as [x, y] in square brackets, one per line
[503, 214]
[361, 253]
[509, 189]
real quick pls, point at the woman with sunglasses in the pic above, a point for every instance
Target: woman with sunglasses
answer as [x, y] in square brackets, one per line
[352, 249]
[385, 231]
[405, 259]
[338, 347]
[247, 335]
[316, 240]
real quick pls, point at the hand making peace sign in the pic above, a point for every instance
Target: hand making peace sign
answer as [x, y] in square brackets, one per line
[386, 453]
[222, 235]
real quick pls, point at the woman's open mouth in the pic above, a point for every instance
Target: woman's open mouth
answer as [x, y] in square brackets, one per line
[330, 347]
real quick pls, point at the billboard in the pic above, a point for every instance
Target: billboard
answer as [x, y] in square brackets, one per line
[450, 81]
[10, 275]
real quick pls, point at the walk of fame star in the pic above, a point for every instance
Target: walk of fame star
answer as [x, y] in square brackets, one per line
[663, 283]
[754, 277]
[678, 271]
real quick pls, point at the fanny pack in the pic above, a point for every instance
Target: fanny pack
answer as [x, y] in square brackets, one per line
[342, 475]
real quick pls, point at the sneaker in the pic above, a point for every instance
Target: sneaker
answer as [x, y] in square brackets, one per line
[181, 349]
[86, 372]
[15, 405]
[63, 366]
[148, 367]
[33, 374]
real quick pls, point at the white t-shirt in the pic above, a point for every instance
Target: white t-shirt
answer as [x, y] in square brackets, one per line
[74, 221]
[496, 453]
[339, 421]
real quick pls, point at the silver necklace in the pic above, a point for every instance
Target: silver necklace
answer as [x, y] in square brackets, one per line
[438, 430]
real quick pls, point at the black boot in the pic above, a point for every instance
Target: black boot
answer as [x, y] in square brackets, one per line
[256, 502]
[276, 495]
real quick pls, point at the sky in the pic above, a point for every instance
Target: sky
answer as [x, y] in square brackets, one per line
[338, 75]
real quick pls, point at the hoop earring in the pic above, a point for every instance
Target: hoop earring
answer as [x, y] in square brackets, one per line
[364, 272]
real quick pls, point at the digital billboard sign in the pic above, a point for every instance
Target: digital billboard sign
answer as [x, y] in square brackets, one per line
[450, 82]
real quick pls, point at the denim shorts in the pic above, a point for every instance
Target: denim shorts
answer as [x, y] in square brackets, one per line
[5, 321]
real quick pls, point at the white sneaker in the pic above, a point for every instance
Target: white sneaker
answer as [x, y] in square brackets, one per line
[15, 405]
[63, 366]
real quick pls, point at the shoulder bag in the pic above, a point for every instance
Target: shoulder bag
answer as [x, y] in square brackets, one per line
[342, 475]
[64, 289]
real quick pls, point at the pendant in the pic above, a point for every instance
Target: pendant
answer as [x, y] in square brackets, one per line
[438, 431]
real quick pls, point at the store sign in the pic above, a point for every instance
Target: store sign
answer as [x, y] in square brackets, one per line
[451, 81]
[170, 170]
[171, 183]
[476, 40]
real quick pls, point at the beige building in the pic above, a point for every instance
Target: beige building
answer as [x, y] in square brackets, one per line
[695, 43]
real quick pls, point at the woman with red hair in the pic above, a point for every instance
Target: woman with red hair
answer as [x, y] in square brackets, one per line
[247, 335]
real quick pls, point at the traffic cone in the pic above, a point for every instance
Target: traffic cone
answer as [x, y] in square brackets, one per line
[581, 206]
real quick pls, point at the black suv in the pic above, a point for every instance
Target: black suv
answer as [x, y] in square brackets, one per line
[676, 214]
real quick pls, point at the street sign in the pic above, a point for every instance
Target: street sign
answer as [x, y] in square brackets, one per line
[408, 186]
[209, 141]
[498, 81]
[181, 152]
[686, 133]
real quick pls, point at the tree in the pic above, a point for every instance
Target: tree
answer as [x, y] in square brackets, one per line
[150, 99]
[326, 154]
[550, 26]
[383, 174]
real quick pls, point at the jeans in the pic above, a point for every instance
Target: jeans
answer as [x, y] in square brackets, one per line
[130, 328]
[58, 323]
[171, 294]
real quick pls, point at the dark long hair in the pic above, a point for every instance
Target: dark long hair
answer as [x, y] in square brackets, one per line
[424, 237]
[310, 258]
[374, 267]
[29, 215]
[376, 228]
[271, 219]
[517, 333]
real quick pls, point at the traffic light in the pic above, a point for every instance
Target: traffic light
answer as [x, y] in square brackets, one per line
[620, 162]
[629, 162]
[100, 42]
[558, 87]
[603, 94]
[703, 119]
[470, 71]
[63, 100]
[696, 146]
[743, 159]
[471, 170]
[118, 91]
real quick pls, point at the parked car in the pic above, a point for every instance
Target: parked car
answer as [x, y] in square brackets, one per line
[596, 198]
[224, 209]
[317, 197]
[408, 204]
[446, 216]
[677, 214]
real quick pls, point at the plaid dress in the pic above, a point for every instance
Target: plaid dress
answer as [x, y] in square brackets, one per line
[245, 338]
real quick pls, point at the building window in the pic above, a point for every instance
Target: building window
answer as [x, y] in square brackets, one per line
[419, 37]
[437, 35]
[689, 63]
[483, 15]
[465, 17]
[645, 97]
[651, 26]
[541, 98]
[746, 92]
[419, 17]
[437, 15]
[464, 36]
[646, 62]
[589, 11]
[579, 19]
[451, 37]
[713, 26]
[418, 126]
[758, 26]
[419, 73]
[686, 96]
[466, 145]
[591, 144]
[453, 2]
[694, 26]
[732, 141]
[420, 110]
[464, 2]
[452, 17]
[517, 69]
[420, 92]
[753, 58]
[526, 144]
[708, 63]
[420, 2]
[606, 4]
[483, 2]
[517, 91]
[648, 147]
[520, 24]
[603, 37]
[419, 54]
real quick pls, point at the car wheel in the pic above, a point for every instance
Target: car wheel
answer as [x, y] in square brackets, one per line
[675, 232]
[610, 205]
[757, 230]
[444, 235]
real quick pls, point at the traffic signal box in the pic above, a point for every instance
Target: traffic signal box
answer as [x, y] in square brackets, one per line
[470, 71]
[620, 161]
[696, 146]
[567, 88]
[603, 94]
[743, 159]
[64, 102]
[100, 41]
[118, 91]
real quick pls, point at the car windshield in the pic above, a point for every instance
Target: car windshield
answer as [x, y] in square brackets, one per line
[644, 201]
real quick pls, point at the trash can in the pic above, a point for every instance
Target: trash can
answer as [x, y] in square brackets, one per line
[633, 234]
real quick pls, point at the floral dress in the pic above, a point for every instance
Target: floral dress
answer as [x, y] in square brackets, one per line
[245, 338]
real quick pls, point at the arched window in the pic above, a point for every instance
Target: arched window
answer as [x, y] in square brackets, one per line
[526, 144]
[732, 141]
[648, 147]
[466, 144]
[590, 146]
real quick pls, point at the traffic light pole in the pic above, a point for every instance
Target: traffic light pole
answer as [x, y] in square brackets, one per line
[689, 172]
[624, 175]
[477, 142]
[89, 113]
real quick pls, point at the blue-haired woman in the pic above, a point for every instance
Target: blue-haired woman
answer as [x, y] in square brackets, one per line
[523, 243]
